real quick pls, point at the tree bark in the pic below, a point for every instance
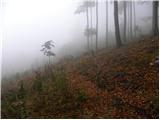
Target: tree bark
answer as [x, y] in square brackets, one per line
[134, 10]
[117, 32]
[155, 18]
[125, 20]
[91, 41]
[106, 23]
[131, 35]
[96, 25]
[87, 28]
[128, 19]
[49, 60]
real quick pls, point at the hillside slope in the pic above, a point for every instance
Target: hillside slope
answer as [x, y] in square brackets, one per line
[117, 83]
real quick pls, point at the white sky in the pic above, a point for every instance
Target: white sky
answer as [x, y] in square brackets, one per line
[29, 23]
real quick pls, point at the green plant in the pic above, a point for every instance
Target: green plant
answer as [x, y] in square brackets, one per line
[22, 100]
[81, 96]
[118, 103]
[47, 49]
[22, 91]
[60, 81]
[37, 86]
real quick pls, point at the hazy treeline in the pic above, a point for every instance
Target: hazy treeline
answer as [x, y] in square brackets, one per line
[125, 20]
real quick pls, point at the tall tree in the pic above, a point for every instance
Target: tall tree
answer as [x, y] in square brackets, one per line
[125, 20]
[155, 18]
[87, 26]
[91, 27]
[116, 21]
[90, 30]
[106, 23]
[85, 8]
[131, 19]
[97, 25]
[135, 24]
[128, 19]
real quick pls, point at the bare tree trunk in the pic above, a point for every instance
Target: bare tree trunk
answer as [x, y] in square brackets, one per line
[155, 18]
[134, 9]
[117, 32]
[91, 28]
[107, 23]
[128, 19]
[87, 28]
[131, 20]
[49, 60]
[125, 20]
[96, 25]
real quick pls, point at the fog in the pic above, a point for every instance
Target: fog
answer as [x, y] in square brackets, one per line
[27, 24]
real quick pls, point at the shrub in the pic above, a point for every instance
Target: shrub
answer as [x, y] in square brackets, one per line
[37, 86]
[81, 96]
[22, 91]
[61, 82]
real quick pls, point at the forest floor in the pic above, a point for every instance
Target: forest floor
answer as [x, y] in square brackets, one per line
[117, 83]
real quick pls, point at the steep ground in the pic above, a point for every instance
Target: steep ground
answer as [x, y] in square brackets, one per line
[116, 83]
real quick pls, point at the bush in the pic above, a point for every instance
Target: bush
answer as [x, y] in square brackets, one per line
[81, 96]
[61, 84]
[118, 103]
[22, 92]
[37, 86]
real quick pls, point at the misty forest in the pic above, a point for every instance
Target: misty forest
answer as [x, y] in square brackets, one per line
[80, 59]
